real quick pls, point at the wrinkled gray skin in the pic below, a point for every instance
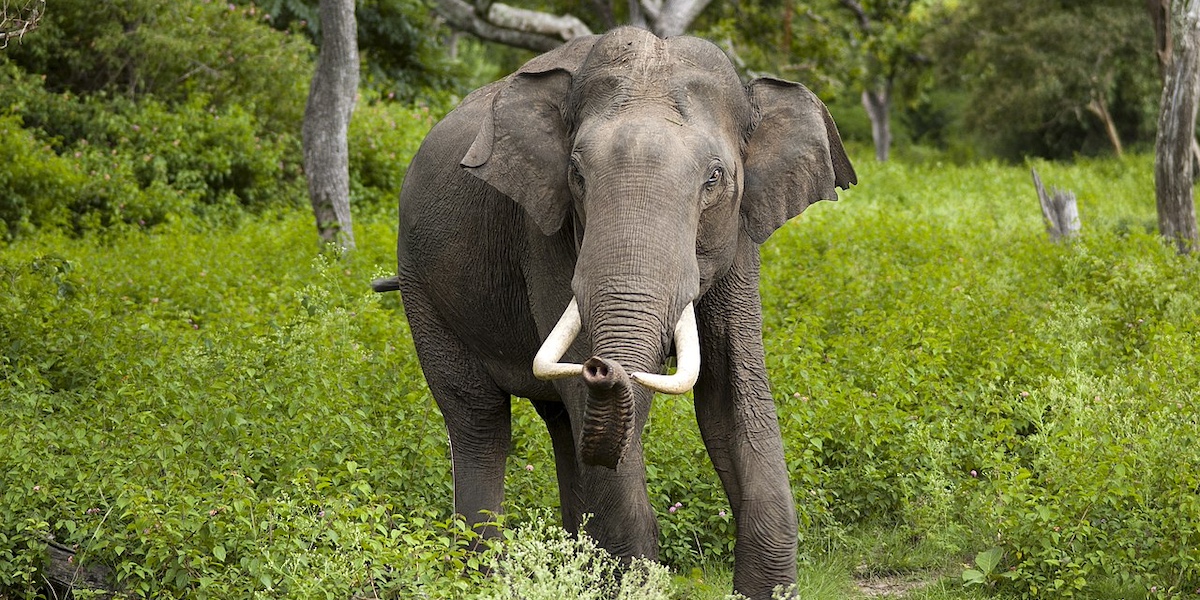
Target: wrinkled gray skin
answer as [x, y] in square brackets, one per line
[636, 175]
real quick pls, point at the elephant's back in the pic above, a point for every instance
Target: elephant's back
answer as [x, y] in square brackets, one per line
[439, 198]
[435, 174]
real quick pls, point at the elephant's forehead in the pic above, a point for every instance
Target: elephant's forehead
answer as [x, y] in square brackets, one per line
[630, 71]
[631, 50]
[637, 51]
[688, 95]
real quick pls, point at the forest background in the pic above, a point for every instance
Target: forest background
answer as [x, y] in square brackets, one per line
[966, 80]
[199, 401]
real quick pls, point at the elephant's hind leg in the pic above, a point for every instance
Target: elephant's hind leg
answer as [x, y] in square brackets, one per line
[476, 411]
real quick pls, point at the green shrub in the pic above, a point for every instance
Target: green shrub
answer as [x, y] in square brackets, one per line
[146, 162]
[171, 51]
[142, 165]
[544, 562]
[216, 155]
[949, 372]
[936, 364]
[1110, 493]
[36, 185]
[382, 139]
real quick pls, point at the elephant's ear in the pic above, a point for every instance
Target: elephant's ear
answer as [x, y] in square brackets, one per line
[794, 158]
[522, 148]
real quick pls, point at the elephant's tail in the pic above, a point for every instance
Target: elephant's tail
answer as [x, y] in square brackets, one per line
[386, 284]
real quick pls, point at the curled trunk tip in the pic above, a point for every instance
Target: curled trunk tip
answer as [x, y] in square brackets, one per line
[608, 418]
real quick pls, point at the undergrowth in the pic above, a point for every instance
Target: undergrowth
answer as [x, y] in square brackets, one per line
[220, 411]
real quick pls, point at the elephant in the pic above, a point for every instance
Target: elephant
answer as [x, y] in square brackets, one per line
[565, 231]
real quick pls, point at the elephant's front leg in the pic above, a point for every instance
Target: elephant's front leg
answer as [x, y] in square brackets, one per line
[737, 420]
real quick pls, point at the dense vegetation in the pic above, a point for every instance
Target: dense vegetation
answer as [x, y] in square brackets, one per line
[192, 395]
[221, 411]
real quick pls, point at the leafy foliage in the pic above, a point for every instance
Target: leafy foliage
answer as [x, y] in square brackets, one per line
[399, 41]
[137, 112]
[230, 426]
[971, 380]
[88, 163]
[172, 51]
[1037, 71]
[544, 562]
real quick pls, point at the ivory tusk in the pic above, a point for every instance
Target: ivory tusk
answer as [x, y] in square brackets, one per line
[687, 354]
[545, 362]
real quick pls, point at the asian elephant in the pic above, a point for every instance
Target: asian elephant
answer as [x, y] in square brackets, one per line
[565, 230]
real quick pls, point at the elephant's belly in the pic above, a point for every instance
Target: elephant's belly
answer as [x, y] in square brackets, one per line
[517, 379]
[492, 320]
[506, 347]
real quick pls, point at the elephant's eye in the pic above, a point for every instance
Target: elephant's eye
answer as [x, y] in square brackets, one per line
[575, 180]
[714, 177]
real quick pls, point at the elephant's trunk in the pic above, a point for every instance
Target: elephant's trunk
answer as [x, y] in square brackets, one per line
[609, 415]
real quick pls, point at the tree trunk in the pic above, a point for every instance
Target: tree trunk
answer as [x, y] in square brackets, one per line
[327, 120]
[878, 104]
[1173, 170]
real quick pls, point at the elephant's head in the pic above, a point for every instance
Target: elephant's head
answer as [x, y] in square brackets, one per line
[655, 157]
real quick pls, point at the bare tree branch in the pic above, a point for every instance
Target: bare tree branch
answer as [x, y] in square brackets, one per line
[675, 16]
[864, 21]
[540, 31]
[23, 20]
[651, 8]
[511, 26]
[566, 27]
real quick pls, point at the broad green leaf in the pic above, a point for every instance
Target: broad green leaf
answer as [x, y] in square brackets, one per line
[989, 559]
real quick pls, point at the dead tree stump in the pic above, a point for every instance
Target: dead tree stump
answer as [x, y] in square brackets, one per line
[64, 574]
[1059, 210]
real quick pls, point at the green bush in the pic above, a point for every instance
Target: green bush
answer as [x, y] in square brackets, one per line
[36, 185]
[155, 110]
[382, 139]
[152, 164]
[544, 562]
[949, 372]
[89, 163]
[1108, 494]
[215, 411]
[171, 51]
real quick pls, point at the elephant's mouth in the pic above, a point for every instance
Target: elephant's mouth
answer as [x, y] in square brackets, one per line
[546, 365]
[608, 419]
